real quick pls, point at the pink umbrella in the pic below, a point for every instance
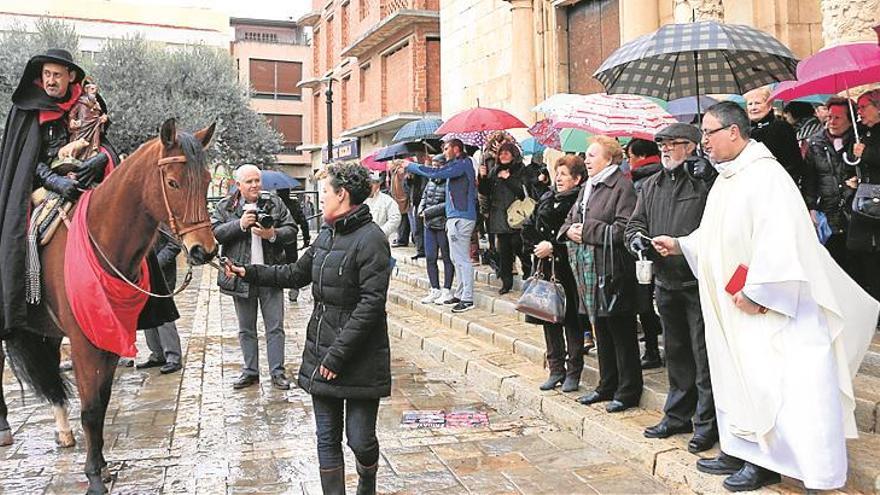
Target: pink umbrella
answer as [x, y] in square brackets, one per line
[618, 115]
[546, 133]
[480, 119]
[370, 162]
[833, 70]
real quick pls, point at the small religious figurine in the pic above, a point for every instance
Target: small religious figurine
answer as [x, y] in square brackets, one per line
[87, 119]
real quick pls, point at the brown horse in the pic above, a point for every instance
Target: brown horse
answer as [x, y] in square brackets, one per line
[165, 180]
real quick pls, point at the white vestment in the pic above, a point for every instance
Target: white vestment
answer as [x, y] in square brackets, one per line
[782, 381]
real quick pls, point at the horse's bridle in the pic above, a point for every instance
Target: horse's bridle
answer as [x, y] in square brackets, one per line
[176, 232]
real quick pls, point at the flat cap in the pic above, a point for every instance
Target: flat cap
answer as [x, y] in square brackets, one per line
[679, 130]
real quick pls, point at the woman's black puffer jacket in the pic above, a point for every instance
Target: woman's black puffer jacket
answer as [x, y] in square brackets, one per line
[349, 268]
[433, 205]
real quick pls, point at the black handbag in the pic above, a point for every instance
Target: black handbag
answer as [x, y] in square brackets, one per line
[866, 202]
[609, 283]
[543, 299]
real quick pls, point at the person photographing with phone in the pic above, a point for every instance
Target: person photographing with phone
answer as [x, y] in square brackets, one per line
[786, 329]
[253, 226]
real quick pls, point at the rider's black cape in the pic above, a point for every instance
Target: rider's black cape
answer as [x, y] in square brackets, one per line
[19, 152]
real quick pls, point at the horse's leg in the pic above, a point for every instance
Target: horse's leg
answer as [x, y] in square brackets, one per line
[63, 433]
[5, 431]
[94, 379]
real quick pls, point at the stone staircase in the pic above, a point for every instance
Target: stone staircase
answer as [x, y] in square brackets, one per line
[493, 346]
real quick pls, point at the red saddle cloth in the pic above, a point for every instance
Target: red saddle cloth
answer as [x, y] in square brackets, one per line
[105, 307]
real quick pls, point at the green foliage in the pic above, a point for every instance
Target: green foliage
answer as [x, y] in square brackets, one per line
[145, 83]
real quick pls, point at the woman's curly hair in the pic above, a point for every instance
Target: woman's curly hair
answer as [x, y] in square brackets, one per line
[353, 177]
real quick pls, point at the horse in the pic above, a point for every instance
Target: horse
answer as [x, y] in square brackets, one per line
[164, 181]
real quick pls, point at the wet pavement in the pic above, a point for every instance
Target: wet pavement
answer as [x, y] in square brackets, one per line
[190, 432]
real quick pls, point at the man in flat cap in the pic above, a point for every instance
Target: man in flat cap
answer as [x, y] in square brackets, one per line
[671, 202]
[36, 129]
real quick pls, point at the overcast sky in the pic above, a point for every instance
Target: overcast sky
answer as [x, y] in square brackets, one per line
[260, 9]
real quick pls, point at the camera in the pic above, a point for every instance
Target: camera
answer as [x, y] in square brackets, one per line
[264, 203]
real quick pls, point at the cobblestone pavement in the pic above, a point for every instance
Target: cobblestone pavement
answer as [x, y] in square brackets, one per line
[190, 432]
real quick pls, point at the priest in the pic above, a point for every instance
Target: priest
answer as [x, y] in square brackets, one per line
[786, 328]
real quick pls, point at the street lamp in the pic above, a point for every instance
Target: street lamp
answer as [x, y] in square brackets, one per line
[328, 94]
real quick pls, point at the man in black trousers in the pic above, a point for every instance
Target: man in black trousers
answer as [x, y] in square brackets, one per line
[671, 202]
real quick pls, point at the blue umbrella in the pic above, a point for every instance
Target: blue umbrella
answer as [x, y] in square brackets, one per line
[418, 130]
[685, 109]
[399, 150]
[531, 146]
[273, 179]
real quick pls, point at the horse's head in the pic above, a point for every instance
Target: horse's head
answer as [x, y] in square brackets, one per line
[182, 201]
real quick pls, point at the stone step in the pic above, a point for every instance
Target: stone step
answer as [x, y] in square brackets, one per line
[496, 321]
[494, 365]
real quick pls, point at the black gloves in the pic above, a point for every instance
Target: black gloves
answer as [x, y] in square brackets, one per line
[639, 243]
[67, 188]
[700, 168]
[91, 171]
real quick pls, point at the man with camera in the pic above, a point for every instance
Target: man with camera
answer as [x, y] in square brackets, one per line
[252, 227]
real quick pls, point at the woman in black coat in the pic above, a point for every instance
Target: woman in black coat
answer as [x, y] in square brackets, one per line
[539, 237]
[604, 206]
[863, 235]
[503, 185]
[346, 364]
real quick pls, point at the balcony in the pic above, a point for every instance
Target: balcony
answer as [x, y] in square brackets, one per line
[395, 16]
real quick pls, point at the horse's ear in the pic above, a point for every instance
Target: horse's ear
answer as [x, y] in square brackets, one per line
[206, 134]
[168, 133]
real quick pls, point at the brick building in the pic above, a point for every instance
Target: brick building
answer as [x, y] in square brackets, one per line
[272, 56]
[384, 59]
[513, 54]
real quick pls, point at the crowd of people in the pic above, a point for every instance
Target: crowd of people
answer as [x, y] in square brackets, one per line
[679, 203]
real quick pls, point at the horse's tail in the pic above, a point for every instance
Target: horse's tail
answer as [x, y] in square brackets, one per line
[35, 359]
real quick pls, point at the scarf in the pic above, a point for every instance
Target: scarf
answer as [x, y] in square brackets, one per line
[592, 181]
[62, 106]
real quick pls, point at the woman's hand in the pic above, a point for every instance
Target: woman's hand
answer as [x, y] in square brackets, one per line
[504, 174]
[852, 182]
[233, 270]
[746, 305]
[575, 232]
[858, 150]
[666, 246]
[543, 249]
[326, 373]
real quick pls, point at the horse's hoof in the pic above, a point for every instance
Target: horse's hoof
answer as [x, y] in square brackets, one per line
[106, 475]
[65, 439]
[5, 437]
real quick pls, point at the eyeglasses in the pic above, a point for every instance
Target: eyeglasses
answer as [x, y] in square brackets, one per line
[707, 134]
[671, 144]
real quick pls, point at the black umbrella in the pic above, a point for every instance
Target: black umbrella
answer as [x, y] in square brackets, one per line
[680, 60]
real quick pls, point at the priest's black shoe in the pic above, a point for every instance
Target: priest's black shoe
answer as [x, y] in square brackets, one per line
[722, 465]
[651, 360]
[553, 381]
[701, 443]
[751, 477]
[616, 406]
[664, 430]
[592, 398]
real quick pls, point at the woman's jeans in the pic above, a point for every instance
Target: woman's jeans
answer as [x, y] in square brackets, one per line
[360, 429]
[436, 240]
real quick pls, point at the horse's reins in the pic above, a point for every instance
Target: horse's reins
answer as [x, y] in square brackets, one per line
[176, 232]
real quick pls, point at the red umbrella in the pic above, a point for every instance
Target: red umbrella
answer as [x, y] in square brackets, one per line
[370, 162]
[480, 119]
[833, 70]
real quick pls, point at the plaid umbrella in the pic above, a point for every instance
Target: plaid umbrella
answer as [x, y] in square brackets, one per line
[616, 116]
[418, 130]
[697, 58]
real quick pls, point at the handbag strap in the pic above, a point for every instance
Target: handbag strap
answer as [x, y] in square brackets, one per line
[608, 247]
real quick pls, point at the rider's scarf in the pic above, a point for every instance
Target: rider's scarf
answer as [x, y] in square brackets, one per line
[105, 307]
[62, 107]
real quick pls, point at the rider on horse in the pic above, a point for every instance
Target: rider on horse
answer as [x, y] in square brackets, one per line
[36, 130]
